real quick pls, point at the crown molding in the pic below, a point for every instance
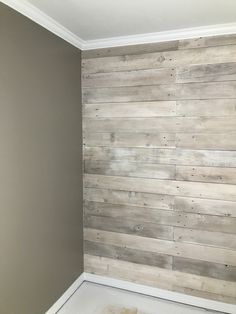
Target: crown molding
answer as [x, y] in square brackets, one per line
[39, 17]
[29, 10]
[179, 34]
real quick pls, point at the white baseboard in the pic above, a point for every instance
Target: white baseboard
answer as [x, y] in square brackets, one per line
[142, 289]
[66, 295]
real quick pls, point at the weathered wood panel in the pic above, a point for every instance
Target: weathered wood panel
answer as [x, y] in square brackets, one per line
[131, 198]
[163, 124]
[205, 237]
[129, 255]
[129, 226]
[130, 139]
[205, 206]
[164, 156]
[159, 162]
[124, 168]
[210, 107]
[131, 78]
[187, 250]
[222, 54]
[202, 268]
[161, 217]
[206, 73]
[131, 110]
[225, 141]
[206, 174]
[131, 50]
[171, 187]
[211, 41]
[210, 90]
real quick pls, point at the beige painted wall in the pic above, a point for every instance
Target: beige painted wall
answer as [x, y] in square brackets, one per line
[160, 165]
[40, 166]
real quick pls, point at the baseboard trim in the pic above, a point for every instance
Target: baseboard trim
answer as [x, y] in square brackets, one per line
[66, 295]
[142, 289]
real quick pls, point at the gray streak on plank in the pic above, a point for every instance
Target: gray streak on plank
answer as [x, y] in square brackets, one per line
[160, 217]
[129, 226]
[212, 270]
[129, 255]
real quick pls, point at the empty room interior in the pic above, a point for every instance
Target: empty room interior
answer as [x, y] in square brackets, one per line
[117, 157]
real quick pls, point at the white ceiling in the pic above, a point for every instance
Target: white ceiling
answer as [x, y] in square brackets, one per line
[100, 19]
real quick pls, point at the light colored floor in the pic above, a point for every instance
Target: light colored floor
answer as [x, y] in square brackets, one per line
[97, 299]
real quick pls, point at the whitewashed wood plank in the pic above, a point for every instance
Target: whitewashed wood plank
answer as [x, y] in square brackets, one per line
[178, 188]
[130, 139]
[127, 169]
[163, 156]
[130, 110]
[160, 59]
[187, 250]
[129, 255]
[129, 226]
[224, 141]
[210, 107]
[131, 50]
[217, 239]
[206, 73]
[205, 206]
[163, 124]
[162, 217]
[130, 78]
[130, 198]
[207, 269]
[211, 41]
[210, 90]
[157, 277]
[206, 174]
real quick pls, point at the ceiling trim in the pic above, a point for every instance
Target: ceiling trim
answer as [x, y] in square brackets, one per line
[186, 33]
[32, 12]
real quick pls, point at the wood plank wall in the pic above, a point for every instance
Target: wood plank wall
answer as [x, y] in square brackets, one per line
[160, 165]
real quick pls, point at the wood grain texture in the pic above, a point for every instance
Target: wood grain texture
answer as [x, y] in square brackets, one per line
[209, 90]
[129, 255]
[132, 109]
[162, 217]
[211, 158]
[124, 168]
[188, 250]
[130, 139]
[156, 60]
[159, 137]
[160, 201]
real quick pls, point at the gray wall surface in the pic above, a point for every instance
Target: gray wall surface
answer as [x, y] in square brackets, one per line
[41, 251]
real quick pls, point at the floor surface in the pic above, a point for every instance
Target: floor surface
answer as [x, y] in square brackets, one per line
[97, 299]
